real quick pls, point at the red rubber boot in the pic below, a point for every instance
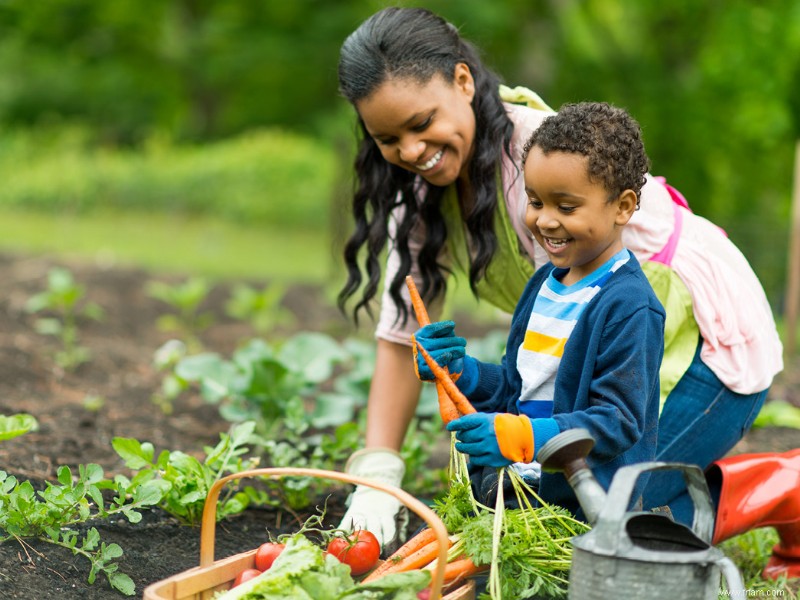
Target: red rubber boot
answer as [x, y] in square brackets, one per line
[761, 490]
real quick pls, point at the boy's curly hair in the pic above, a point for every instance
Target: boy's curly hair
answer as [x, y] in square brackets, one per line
[608, 136]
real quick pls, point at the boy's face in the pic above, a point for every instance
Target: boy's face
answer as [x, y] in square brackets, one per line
[571, 216]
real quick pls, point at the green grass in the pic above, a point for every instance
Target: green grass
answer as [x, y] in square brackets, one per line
[199, 245]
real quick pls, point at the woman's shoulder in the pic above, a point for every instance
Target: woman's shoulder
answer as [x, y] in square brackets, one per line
[526, 120]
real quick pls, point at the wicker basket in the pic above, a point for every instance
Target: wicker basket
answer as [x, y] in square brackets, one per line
[201, 582]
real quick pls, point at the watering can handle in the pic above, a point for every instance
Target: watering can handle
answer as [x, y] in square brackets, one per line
[619, 494]
[733, 579]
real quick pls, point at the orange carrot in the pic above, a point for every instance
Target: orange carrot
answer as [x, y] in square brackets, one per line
[423, 538]
[417, 559]
[416, 302]
[460, 569]
[460, 400]
[447, 409]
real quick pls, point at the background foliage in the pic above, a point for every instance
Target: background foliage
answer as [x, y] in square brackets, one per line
[231, 108]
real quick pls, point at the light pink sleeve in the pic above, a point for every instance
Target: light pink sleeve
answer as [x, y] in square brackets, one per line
[388, 328]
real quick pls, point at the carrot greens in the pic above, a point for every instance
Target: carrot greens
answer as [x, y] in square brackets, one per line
[528, 548]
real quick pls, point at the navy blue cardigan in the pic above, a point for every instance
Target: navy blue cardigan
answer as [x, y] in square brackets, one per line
[607, 381]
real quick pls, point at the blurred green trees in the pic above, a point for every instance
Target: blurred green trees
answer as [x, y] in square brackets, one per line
[716, 85]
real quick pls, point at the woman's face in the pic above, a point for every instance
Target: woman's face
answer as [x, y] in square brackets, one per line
[426, 128]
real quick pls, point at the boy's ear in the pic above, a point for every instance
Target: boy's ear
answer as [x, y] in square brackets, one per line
[626, 206]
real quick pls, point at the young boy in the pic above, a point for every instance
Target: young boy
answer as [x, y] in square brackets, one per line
[586, 338]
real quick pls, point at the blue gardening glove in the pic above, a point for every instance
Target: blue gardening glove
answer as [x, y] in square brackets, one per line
[494, 439]
[444, 346]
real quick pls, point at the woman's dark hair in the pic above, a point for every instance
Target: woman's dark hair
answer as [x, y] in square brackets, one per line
[607, 136]
[415, 43]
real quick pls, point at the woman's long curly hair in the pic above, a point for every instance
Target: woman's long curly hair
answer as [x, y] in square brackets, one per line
[416, 43]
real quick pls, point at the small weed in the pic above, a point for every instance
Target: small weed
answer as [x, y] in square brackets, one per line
[64, 301]
[185, 299]
[260, 308]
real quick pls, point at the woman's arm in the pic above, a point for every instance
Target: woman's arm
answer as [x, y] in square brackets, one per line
[393, 396]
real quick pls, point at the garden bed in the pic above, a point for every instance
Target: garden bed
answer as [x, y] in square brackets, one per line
[80, 412]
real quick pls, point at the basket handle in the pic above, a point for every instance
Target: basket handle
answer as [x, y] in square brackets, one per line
[208, 523]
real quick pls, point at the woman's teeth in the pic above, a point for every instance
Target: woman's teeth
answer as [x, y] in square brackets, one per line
[432, 161]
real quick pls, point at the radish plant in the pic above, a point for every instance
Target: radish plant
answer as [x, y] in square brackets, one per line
[63, 304]
[53, 515]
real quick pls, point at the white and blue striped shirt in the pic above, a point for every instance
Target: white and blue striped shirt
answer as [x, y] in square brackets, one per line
[555, 311]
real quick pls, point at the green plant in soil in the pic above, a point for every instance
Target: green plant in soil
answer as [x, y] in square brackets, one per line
[59, 515]
[260, 308]
[64, 304]
[304, 395]
[185, 299]
[12, 426]
[271, 384]
[187, 480]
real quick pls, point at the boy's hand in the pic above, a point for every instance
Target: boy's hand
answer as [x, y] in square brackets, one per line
[494, 439]
[444, 346]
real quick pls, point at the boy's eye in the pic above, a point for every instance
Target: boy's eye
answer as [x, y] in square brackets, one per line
[534, 203]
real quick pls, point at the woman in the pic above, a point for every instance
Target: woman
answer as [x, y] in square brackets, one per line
[440, 186]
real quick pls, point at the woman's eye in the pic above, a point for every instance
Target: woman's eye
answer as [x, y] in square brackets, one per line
[424, 125]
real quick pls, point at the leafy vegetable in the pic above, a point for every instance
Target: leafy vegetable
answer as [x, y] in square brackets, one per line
[304, 572]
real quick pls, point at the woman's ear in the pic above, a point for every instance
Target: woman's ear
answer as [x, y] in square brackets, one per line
[462, 78]
[626, 206]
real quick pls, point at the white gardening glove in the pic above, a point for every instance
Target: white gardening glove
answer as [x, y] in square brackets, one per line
[378, 512]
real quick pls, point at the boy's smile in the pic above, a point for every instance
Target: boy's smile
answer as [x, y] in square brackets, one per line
[570, 215]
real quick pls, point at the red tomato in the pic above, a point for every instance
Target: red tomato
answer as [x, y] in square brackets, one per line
[359, 550]
[246, 575]
[267, 553]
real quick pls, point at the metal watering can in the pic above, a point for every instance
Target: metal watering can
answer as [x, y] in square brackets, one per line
[638, 555]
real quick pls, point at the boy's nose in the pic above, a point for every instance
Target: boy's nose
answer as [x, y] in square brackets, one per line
[546, 221]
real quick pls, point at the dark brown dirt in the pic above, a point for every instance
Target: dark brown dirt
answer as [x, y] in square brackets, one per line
[121, 373]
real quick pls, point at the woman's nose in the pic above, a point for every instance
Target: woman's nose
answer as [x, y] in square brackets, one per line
[411, 150]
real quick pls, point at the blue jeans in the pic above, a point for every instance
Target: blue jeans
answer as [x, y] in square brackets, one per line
[700, 422]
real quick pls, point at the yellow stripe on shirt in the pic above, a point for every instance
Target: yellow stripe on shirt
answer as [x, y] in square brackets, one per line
[543, 344]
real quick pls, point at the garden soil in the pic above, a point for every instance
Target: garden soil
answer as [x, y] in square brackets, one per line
[80, 412]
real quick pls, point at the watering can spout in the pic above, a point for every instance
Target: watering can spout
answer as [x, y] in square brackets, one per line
[567, 453]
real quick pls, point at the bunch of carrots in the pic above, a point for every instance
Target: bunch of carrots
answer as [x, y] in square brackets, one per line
[420, 552]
